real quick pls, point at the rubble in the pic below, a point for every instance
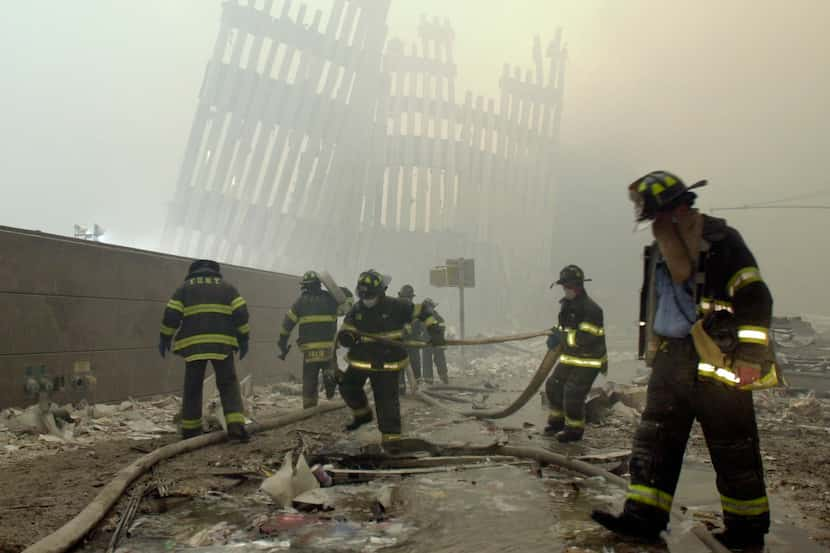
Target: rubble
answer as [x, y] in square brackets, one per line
[26, 434]
[808, 407]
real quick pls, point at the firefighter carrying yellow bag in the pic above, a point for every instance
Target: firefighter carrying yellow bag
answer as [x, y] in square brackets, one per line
[716, 341]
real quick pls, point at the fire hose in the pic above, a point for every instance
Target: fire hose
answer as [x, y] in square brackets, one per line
[539, 377]
[74, 531]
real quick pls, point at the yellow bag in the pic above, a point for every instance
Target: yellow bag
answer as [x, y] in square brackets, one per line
[716, 365]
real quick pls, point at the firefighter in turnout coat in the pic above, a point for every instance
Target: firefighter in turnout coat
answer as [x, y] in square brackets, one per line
[315, 312]
[581, 335]
[378, 316]
[209, 320]
[705, 317]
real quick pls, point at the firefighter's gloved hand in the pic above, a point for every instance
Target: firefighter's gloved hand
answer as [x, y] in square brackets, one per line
[554, 339]
[282, 344]
[243, 349]
[164, 344]
[747, 364]
[347, 339]
[330, 381]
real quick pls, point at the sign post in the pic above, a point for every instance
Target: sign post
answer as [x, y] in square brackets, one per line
[461, 297]
[459, 273]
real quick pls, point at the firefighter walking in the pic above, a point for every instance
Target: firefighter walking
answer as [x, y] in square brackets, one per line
[315, 312]
[375, 316]
[706, 316]
[209, 320]
[435, 355]
[412, 332]
[581, 335]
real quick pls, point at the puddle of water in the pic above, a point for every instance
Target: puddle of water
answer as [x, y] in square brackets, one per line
[501, 508]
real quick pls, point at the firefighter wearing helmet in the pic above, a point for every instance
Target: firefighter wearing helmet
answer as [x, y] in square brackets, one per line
[315, 312]
[374, 321]
[705, 317]
[581, 335]
[412, 332]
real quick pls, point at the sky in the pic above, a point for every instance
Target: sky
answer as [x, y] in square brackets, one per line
[99, 96]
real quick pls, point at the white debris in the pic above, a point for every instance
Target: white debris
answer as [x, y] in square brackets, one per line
[20, 429]
[289, 481]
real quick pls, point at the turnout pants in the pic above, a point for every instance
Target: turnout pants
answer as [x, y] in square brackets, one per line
[727, 417]
[226, 383]
[387, 399]
[414, 355]
[437, 355]
[567, 389]
[311, 381]
[415, 360]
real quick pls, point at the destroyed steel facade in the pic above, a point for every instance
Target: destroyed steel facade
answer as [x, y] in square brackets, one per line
[329, 145]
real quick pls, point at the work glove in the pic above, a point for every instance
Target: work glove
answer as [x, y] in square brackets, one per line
[347, 339]
[243, 349]
[282, 345]
[331, 379]
[555, 339]
[164, 344]
[747, 363]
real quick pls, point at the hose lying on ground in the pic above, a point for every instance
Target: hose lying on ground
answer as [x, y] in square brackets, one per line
[449, 388]
[445, 397]
[536, 382]
[74, 531]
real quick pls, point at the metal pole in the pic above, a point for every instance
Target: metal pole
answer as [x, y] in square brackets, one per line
[461, 307]
[461, 296]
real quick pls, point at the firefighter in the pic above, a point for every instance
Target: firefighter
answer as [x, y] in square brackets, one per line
[413, 332]
[342, 310]
[377, 315]
[435, 354]
[210, 321]
[581, 334]
[315, 311]
[705, 319]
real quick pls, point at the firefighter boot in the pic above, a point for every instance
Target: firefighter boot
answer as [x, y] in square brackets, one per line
[570, 435]
[741, 541]
[628, 525]
[554, 427]
[191, 433]
[391, 446]
[238, 433]
[358, 421]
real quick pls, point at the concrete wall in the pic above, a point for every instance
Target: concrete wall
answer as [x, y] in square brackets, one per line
[65, 301]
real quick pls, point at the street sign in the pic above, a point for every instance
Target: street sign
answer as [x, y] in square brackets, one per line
[458, 267]
[438, 277]
[445, 276]
[457, 273]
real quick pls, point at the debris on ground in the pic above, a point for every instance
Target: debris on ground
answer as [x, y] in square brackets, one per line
[290, 481]
[25, 433]
[806, 407]
[211, 499]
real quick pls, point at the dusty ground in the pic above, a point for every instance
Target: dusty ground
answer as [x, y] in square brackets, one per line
[41, 494]
[54, 482]
[74, 477]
